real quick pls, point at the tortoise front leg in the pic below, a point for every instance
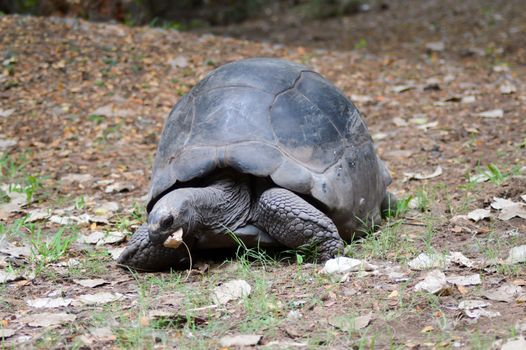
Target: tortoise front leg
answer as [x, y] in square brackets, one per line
[294, 222]
[144, 255]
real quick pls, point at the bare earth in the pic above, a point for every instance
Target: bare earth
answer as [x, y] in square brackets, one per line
[81, 109]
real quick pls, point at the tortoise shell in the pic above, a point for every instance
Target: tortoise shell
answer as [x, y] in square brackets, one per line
[276, 119]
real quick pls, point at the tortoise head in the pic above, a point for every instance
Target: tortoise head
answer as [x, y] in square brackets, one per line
[173, 212]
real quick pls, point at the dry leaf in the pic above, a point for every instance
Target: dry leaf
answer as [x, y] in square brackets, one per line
[470, 280]
[427, 329]
[422, 176]
[16, 201]
[424, 262]
[477, 313]
[460, 259]
[91, 283]
[472, 304]
[99, 298]
[515, 344]
[494, 113]
[6, 333]
[240, 340]
[516, 255]
[49, 302]
[231, 290]
[479, 214]
[9, 276]
[507, 293]
[49, 319]
[351, 324]
[434, 282]
[343, 264]
[501, 203]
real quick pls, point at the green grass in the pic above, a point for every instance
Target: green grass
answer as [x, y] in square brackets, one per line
[46, 249]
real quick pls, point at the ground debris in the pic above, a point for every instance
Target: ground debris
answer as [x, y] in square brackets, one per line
[343, 264]
[422, 176]
[479, 214]
[40, 303]
[12, 201]
[240, 340]
[434, 282]
[98, 298]
[424, 262]
[351, 324]
[506, 293]
[470, 280]
[91, 283]
[48, 319]
[494, 113]
[231, 290]
[516, 255]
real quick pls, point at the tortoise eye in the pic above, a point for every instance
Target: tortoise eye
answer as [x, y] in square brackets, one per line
[167, 222]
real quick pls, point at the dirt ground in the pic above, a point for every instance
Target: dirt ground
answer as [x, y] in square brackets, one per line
[442, 88]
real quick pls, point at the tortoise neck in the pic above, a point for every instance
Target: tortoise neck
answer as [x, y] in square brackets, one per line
[223, 205]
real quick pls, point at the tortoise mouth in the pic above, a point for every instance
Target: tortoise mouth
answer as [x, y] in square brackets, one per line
[174, 240]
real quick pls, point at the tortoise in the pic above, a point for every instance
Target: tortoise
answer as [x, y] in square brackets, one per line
[267, 150]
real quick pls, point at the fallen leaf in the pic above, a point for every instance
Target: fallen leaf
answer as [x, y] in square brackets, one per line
[434, 282]
[471, 304]
[494, 113]
[393, 295]
[112, 238]
[460, 259]
[507, 88]
[91, 283]
[15, 251]
[351, 324]
[78, 178]
[49, 302]
[116, 252]
[468, 99]
[6, 333]
[231, 290]
[112, 111]
[436, 46]
[14, 204]
[477, 313]
[501, 203]
[515, 344]
[402, 88]
[362, 99]
[343, 264]
[9, 276]
[49, 319]
[38, 214]
[506, 293]
[102, 334]
[240, 340]
[517, 210]
[424, 262]
[4, 113]
[99, 298]
[399, 122]
[516, 255]
[6, 144]
[100, 238]
[179, 62]
[427, 329]
[107, 208]
[479, 214]
[470, 280]
[422, 176]
[119, 187]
